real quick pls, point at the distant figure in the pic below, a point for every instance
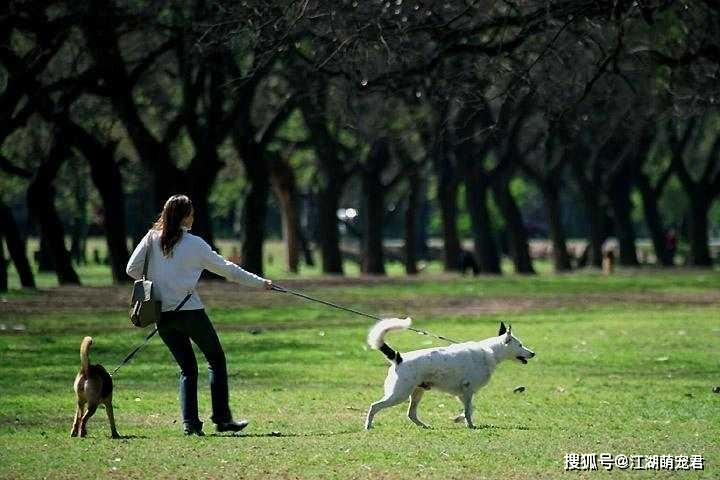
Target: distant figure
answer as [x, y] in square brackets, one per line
[608, 263]
[467, 261]
[671, 243]
[234, 256]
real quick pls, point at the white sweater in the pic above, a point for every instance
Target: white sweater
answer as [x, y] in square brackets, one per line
[175, 276]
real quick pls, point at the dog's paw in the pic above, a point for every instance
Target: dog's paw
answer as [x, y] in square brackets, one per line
[115, 436]
[459, 418]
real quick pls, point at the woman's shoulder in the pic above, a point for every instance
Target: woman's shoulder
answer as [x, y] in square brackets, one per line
[193, 240]
[153, 234]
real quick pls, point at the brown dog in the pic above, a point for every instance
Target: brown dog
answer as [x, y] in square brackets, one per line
[93, 386]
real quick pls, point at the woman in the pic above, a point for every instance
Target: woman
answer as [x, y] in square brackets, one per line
[177, 258]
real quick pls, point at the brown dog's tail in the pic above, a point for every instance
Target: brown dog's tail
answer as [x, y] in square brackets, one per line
[85, 354]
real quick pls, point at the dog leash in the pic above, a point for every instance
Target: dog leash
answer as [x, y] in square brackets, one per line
[130, 355]
[135, 350]
[278, 288]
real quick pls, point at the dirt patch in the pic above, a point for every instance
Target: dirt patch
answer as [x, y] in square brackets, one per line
[479, 306]
[228, 295]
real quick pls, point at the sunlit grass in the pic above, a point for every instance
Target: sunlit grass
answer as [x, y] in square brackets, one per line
[631, 378]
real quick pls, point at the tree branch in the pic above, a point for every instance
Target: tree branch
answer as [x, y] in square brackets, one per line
[8, 167]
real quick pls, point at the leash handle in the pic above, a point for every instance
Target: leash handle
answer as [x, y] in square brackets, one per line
[278, 288]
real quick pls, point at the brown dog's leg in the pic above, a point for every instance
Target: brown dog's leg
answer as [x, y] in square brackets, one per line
[78, 415]
[89, 413]
[111, 417]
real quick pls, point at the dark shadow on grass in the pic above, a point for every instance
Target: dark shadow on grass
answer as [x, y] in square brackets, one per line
[501, 427]
[131, 437]
[281, 434]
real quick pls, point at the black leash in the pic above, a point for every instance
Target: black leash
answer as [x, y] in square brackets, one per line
[130, 355]
[278, 288]
[135, 350]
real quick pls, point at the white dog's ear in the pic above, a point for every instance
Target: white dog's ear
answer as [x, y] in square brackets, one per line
[508, 335]
[502, 329]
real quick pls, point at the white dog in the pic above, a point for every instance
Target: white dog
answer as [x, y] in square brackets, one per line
[459, 369]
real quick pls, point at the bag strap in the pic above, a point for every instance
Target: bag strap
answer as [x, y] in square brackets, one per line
[187, 297]
[148, 250]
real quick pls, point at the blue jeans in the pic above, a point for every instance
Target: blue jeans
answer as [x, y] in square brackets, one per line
[177, 329]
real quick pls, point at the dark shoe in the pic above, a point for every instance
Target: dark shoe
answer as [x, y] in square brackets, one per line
[193, 431]
[231, 426]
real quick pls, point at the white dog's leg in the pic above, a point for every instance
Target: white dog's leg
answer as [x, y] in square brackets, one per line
[415, 398]
[468, 408]
[395, 392]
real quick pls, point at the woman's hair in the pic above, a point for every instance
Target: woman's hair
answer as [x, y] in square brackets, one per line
[176, 209]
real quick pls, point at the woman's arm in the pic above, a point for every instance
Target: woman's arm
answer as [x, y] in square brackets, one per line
[216, 263]
[137, 259]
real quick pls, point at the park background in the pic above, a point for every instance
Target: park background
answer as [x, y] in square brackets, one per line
[369, 153]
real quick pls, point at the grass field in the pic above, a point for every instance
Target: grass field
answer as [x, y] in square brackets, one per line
[625, 365]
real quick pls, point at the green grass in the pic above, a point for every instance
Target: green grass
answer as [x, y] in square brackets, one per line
[626, 376]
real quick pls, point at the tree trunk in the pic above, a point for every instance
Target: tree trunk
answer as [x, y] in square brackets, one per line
[329, 197]
[79, 227]
[595, 215]
[16, 246]
[619, 193]
[106, 177]
[254, 212]
[447, 197]
[284, 186]
[519, 247]
[43, 258]
[597, 235]
[3, 268]
[199, 193]
[373, 208]
[41, 203]
[654, 223]
[551, 194]
[303, 227]
[698, 231]
[40, 198]
[485, 247]
[447, 193]
[200, 178]
[411, 216]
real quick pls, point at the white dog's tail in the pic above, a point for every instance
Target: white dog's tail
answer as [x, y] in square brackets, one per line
[85, 354]
[376, 336]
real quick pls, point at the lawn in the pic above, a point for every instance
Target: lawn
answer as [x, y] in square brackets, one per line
[624, 365]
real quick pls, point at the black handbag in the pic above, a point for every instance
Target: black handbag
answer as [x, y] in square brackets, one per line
[145, 309]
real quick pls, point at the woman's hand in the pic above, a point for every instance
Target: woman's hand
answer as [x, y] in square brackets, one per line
[268, 285]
